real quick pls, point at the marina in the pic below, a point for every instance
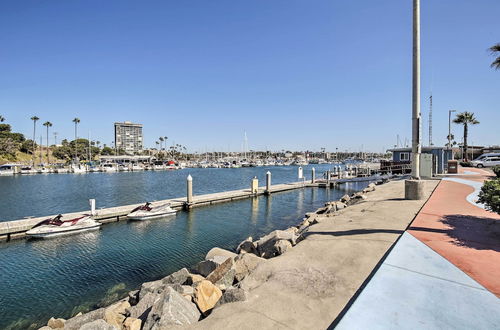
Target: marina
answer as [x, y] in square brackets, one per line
[17, 228]
[122, 255]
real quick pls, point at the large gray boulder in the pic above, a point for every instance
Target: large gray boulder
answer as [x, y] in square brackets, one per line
[179, 277]
[231, 295]
[98, 325]
[143, 307]
[266, 245]
[205, 267]
[151, 287]
[218, 252]
[76, 322]
[223, 275]
[244, 264]
[171, 310]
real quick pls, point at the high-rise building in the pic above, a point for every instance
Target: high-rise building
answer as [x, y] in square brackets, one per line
[128, 137]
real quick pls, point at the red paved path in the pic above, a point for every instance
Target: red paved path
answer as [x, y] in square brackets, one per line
[466, 235]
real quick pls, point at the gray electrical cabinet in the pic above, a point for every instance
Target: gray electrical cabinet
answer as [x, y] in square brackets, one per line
[426, 165]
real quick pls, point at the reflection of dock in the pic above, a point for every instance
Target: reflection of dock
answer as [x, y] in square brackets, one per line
[17, 228]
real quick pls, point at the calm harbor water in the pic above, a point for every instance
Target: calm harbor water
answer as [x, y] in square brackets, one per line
[62, 276]
[46, 194]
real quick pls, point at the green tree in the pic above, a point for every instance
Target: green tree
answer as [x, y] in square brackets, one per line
[466, 119]
[107, 151]
[490, 195]
[28, 146]
[495, 50]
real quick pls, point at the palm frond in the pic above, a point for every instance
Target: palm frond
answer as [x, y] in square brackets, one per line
[496, 63]
[495, 48]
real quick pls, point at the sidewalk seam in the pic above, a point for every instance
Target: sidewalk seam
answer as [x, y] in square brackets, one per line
[439, 278]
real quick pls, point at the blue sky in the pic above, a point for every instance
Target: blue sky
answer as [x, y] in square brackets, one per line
[292, 74]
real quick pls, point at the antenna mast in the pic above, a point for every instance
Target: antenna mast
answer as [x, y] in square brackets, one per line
[430, 120]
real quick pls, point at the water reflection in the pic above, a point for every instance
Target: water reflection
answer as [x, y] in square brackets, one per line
[52, 247]
[269, 204]
[255, 209]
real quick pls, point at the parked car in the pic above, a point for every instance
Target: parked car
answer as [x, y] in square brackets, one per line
[487, 161]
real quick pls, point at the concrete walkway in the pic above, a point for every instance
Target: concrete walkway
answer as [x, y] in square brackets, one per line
[444, 272]
[416, 288]
[310, 285]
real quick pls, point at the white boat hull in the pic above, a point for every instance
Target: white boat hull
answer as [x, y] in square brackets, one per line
[63, 231]
[151, 216]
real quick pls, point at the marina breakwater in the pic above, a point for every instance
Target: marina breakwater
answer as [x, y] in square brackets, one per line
[63, 276]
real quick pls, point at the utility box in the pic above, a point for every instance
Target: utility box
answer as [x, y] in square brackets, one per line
[452, 166]
[426, 165]
[254, 187]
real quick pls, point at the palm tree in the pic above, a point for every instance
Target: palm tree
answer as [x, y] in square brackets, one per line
[2, 119]
[76, 121]
[495, 50]
[466, 119]
[161, 142]
[48, 124]
[35, 119]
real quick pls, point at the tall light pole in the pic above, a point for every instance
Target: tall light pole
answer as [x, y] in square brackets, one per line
[416, 147]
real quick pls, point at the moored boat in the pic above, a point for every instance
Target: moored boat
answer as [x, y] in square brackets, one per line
[7, 169]
[57, 226]
[27, 170]
[147, 211]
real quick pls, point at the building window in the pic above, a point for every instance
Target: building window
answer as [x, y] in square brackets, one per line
[404, 156]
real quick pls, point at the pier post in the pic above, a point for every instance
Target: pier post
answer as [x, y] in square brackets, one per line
[189, 190]
[254, 188]
[328, 177]
[301, 172]
[313, 175]
[92, 207]
[268, 183]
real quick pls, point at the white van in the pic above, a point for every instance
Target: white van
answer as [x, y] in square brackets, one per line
[487, 160]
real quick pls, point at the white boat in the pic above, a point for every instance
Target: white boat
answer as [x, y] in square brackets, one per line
[122, 168]
[58, 226]
[147, 211]
[137, 167]
[78, 169]
[27, 170]
[7, 170]
[109, 167]
[43, 170]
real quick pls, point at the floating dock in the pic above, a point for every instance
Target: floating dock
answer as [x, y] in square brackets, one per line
[17, 228]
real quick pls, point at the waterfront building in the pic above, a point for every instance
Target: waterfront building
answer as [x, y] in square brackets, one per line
[128, 137]
[439, 157]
